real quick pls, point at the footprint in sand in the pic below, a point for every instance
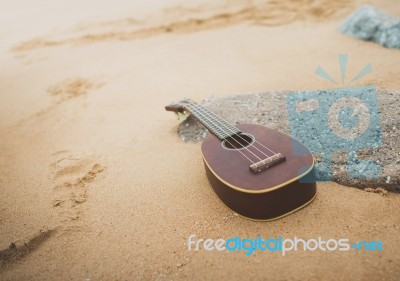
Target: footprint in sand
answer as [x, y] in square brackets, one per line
[68, 89]
[72, 88]
[72, 177]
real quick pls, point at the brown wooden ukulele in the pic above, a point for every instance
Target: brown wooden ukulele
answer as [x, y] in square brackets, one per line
[257, 172]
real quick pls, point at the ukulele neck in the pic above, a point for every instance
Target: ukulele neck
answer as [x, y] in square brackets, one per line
[216, 125]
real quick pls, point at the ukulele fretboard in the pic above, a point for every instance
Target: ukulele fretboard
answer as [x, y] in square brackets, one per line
[212, 122]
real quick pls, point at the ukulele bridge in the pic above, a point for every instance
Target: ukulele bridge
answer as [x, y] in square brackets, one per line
[267, 163]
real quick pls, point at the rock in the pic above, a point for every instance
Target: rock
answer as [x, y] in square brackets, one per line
[270, 109]
[370, 24]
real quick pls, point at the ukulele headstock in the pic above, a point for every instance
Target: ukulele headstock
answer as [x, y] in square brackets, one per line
[179, 107]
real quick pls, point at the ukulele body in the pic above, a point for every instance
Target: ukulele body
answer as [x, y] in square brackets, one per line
[269, 194]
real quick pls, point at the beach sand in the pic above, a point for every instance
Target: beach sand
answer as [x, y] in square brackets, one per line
[95, 181]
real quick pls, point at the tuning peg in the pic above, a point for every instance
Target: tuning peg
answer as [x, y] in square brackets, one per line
[182, 116]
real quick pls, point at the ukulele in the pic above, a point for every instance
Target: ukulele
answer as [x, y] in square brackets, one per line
[257, 172]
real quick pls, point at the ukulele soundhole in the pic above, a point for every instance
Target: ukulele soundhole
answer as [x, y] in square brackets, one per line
[238, 141]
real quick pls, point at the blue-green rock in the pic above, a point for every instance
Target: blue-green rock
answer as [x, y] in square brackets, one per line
[370, 24]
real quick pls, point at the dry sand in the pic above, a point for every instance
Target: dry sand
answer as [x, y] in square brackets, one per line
[95, 182]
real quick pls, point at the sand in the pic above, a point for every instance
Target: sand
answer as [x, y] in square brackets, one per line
[95, 181]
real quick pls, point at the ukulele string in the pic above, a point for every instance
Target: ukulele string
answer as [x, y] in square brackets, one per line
[215, 116]
[229, 141]
[226, 125]
[230, 131]
[194, 110]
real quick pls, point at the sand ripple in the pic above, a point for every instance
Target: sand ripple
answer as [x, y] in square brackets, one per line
[188, 20]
